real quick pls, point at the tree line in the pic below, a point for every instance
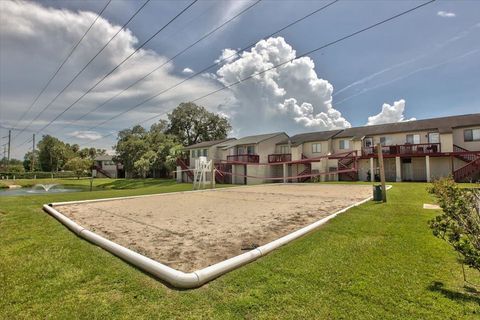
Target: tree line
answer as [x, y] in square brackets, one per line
[153, 152]
[142, 152]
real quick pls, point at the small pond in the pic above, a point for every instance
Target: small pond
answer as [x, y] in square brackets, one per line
[38, 189]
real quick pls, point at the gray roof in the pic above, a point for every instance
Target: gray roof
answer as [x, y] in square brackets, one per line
[310, 136]
[105, 157]
[253, 139]
[207, 144]
[442, 125]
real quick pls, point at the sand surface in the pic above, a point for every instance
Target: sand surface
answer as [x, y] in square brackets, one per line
[190, 231]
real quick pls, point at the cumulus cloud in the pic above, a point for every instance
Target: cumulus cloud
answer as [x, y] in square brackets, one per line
[188, 71]
[86, 135]
[228, 55]
[34, 39]
[446, 14]
[289, 97]
[390, 114]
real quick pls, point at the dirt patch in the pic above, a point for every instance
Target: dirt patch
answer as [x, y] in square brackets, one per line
[190, 231]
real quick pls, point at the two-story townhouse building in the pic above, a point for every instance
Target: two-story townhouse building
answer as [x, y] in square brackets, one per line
[247, 159]
[212, 150]
[418, 150]
[307, 153]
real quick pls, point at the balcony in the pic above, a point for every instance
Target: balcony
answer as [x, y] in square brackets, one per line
[244, 158]
[279, 157]
[404, 149]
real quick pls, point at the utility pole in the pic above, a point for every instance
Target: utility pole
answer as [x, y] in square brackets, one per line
[382, 172]
[4, 157]
[9, 145]
[33, 154]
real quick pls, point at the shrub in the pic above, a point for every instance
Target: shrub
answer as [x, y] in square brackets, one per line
[459, 224]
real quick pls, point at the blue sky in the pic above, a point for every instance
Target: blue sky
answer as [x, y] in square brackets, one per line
[430, 60]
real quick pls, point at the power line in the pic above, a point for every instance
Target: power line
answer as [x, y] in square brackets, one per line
[211, 66]
[163, 64]
[88, 63]
[61, 65]
[121, 63]
[290, 60]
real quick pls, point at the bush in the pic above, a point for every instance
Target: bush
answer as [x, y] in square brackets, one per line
[41, 175]
[459, 224]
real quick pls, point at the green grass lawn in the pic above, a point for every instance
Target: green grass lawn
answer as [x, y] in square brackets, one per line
[376, 261]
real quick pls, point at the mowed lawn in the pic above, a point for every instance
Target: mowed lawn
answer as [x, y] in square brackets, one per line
[376, 261]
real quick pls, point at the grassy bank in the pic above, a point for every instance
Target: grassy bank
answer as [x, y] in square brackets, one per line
[377, 261]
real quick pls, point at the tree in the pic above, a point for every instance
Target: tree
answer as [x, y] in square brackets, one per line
[193, 124]
[131, 145]
[459, 224]
[52, 153]
[79, 166]
[16, 168]
[27, 161]
[143, 152]
[142, 166]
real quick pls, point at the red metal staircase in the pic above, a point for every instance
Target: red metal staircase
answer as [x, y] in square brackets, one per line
[348, 162]
[464, 157]
[184, 166]
[100, 170]
[307, 171]
[469, 172]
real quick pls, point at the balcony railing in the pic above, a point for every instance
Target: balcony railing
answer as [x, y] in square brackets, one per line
[279, 157]
[252, 158]
[404, 149]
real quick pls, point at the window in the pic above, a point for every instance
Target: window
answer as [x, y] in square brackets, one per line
[368, 142]
[284, 149]
[316, 148]
[433, 137]
[250, 150]
[383, 141]
[205, 152]
[413, 138]
[240, 150]
[193, 152]
[344, 144]
[471, 134]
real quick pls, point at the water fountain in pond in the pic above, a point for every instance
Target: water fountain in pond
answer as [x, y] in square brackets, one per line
[46, 187]
[38, 189]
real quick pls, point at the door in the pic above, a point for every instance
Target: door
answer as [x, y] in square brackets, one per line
[407, 169]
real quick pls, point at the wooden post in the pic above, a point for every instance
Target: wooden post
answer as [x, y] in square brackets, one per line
[382, 172]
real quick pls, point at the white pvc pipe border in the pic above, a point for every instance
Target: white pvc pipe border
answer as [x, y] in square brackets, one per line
[172, 276]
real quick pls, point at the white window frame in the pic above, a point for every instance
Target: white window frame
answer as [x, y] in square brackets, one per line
[346, 144]
[475, 134]
[415, 138]
[284, 150]
[435, 134]
[368, 139]
[316, 147]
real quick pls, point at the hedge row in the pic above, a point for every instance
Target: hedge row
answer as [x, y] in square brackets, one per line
[40, 175]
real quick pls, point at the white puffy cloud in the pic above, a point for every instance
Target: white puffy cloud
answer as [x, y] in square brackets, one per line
[228, 55]
[291, 97]
[187, 71]
[446, 14]
[390, 114]
[86, 135]
[35, 39]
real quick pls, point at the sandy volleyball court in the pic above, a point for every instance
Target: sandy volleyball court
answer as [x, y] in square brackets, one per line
[190, 231]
